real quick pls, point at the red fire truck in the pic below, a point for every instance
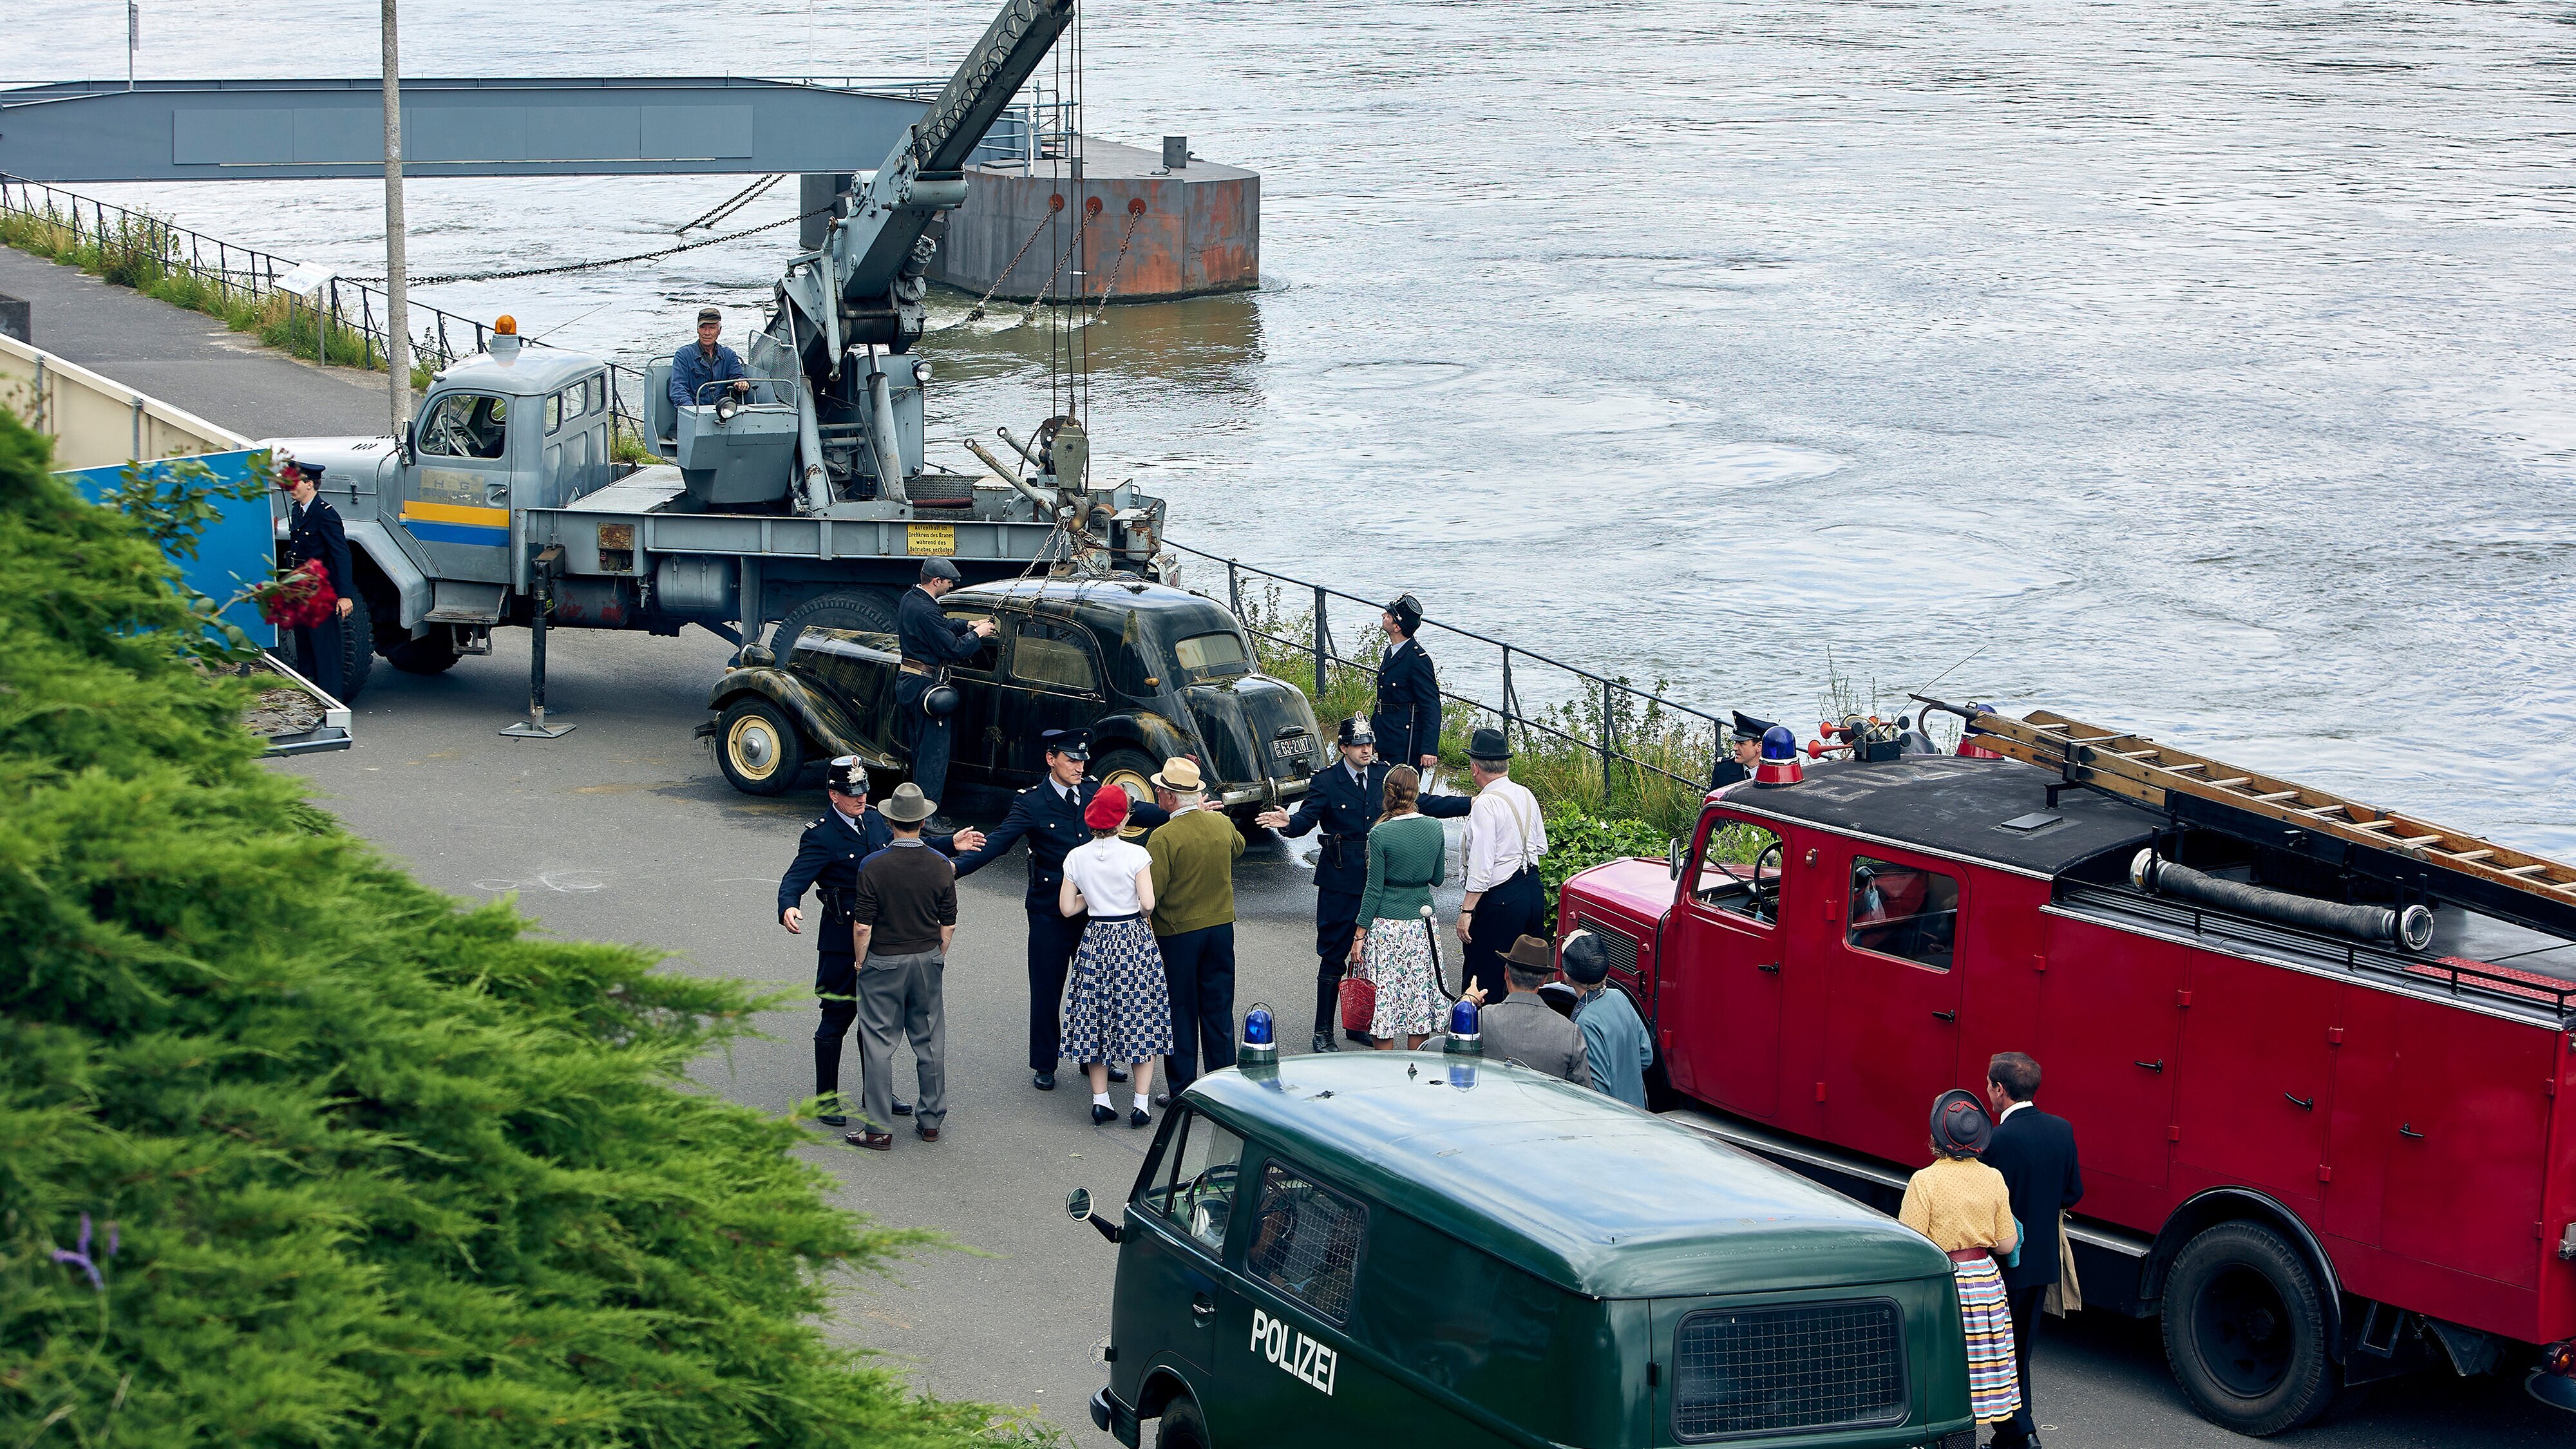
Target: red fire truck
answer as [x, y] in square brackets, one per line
[2312, 1051]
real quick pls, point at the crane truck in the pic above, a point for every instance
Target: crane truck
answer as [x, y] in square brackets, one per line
[806, 500]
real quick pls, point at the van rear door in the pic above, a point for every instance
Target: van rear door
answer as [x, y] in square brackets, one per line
[1182, 1211]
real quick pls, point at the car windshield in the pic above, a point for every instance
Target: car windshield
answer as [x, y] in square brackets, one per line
[1208, 656]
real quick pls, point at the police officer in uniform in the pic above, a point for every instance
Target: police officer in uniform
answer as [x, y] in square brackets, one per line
[1049, 815]
[931, 642]
[1344, 799]
[827, 859]
[1748, 751]
[1407, 717]
[314, 532]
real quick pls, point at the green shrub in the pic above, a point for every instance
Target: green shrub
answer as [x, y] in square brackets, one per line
[294, 1151]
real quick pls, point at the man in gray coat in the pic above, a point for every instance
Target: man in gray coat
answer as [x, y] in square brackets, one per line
[1522, 1027]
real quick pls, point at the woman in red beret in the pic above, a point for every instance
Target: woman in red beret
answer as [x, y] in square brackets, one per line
[1120, 1008]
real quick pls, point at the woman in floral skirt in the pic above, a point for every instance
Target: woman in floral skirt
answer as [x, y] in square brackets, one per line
[1392, 946]
[1120, 1009]
[1962, 1205]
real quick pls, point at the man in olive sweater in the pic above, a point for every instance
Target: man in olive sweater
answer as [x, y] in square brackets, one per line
[1194, 855]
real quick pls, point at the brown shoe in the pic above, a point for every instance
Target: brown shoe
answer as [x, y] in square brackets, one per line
[926, 1134]
[872, 1141]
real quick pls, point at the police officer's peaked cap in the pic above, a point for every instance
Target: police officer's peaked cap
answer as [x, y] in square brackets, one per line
[710, 314]
[938, 568]
[1072, 744]
[1749, 728]
[1407, 611]
[1584, 960]
[846, 776]
[1358, 731]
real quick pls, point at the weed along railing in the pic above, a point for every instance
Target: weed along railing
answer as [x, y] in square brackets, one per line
[341, 318]
[1643, 742]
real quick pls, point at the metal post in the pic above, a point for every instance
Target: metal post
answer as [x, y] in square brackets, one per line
[1233, 589]
[133, 37]
[1606, 718]
[397, 313]
[534, 727]
[1507, 690]
[323, 317]
[1320, 639]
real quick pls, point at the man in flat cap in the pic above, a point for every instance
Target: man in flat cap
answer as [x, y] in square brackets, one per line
[704, 361]
[1615, 1043]
[828, 857]
[931, 642]
[1748, 734]
[1407, 717]
[1521, 1027]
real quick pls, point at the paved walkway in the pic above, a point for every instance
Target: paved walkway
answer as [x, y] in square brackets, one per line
[188, 359]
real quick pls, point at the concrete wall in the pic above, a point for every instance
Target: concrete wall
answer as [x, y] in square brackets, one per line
[97, 421]
[1200, 230]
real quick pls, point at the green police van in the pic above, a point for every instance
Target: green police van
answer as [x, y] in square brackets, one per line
[1442, 1251]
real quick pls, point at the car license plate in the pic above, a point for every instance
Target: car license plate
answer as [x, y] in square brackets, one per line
[1291, 748]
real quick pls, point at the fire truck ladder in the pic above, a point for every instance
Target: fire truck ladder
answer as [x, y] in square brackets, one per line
[2415, 854]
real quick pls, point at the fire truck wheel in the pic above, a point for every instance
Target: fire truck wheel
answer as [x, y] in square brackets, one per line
[868, 610]
[758, 747]
[1181, 1426]
[2245, 1331]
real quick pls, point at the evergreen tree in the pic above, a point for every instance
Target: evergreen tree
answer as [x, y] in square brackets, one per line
[294, 1150]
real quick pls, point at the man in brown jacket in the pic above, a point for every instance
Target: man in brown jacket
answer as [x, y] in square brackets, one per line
[903, 916]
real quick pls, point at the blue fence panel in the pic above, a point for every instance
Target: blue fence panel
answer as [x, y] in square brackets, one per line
[237, 549]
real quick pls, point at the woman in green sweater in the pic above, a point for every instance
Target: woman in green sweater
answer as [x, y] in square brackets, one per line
[1392, 945]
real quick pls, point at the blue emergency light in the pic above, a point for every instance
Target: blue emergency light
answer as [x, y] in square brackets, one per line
[1260, 1041]
[1463, 1038]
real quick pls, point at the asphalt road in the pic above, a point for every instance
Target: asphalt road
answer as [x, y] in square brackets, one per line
[624, 830]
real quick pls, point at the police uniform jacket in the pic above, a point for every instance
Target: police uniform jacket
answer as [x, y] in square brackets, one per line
[317, 534]
[1345, 808]
[1407, 717]
[1053, 825]
[928, 635]
[828, 857]
[1727, 773]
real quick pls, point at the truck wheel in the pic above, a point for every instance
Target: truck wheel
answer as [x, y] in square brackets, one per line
[434, 653]
[1181, 1427]
[357, 649]
[2245, 1331]
[758, 748]
[869, 610]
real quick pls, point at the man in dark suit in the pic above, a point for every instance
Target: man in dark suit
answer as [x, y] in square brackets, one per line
[1407, 717]
[828, 857]
[1345, 799]
[313, 531]
[930, 642]
[2036, 1154]
[1049, 814]
[1747, 752]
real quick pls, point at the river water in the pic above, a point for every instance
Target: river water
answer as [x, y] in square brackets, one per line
[2201, 368]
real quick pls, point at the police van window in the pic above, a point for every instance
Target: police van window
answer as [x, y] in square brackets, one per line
[1306, 1241]
[1211, 656]
[1052, 655]
[466, 425]
[1198, 1193]
[1739, 870]
[1904, 910]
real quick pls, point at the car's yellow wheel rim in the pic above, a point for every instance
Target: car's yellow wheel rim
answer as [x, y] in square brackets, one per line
[753, 746]
[1137, 788]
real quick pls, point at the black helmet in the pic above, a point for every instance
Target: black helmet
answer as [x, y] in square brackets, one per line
[1407, 611]
[1357, 731]
[846, 776]
[939, 701]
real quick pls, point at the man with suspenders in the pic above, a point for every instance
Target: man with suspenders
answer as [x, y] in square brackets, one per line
[1506, 837]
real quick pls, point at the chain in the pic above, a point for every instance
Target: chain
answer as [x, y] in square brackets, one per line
[607, 262]
[1135, 214]
[1054, 205]
[1039, 300]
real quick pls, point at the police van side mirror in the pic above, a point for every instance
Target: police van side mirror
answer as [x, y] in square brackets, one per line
[1077, 1206]
[1675, 850]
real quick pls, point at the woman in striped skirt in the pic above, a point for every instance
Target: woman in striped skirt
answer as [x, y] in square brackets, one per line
[1963, 1206]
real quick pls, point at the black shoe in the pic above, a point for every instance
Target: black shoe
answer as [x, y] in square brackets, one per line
[1102, 1116]
[903, 1109]
[1139, 1117]
[1163, 1099]
[833, 1119]
[1324, 1042]
[1043, 1081]
[1117, 1074]
[943, 825]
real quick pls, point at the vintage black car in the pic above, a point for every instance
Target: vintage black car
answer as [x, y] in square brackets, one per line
[1152, 671]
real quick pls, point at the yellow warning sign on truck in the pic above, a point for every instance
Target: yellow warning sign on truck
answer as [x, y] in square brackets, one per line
[930, 540]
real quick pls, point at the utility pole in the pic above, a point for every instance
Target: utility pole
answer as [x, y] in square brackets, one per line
[397, 321]
[133, 37]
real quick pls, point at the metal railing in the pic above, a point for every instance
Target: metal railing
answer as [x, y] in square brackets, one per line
[1038, 126]
[337, 304]
[1511, 710]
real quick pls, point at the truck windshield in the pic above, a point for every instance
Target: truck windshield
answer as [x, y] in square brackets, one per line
[466, 425]
[1211, 656]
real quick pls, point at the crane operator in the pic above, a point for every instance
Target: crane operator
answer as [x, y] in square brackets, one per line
[931, 642]
[704, 361]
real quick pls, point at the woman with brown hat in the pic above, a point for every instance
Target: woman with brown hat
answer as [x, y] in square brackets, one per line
[1963, 1206]
[1391, 947]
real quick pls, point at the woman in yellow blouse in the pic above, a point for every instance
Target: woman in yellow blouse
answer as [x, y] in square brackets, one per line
[1963, 1207]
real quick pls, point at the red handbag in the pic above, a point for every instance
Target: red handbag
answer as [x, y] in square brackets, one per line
[1359, 1001]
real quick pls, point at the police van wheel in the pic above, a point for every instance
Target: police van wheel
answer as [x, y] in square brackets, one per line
[2245, 1331]
[1181, 1426]
[758, 749]
[868, 610]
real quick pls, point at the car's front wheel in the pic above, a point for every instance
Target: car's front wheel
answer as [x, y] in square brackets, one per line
[1128, 770]
[758, 747]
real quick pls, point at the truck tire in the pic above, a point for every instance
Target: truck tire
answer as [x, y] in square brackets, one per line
[871, 610]
[2245, 1331]
[1181, 1426]
[433, 653]
[1120, 768]
[357, 649]
[758, 747]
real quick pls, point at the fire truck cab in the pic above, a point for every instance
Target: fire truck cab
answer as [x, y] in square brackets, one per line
[2324, 1159]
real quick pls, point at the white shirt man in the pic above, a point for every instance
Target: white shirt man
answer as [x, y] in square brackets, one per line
[1506, 837]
